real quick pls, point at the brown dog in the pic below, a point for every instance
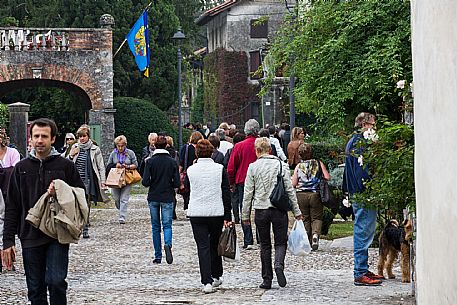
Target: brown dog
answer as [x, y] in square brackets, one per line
[394, 239]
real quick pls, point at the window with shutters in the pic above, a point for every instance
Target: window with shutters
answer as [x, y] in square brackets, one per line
[254, 64]
[259, 30]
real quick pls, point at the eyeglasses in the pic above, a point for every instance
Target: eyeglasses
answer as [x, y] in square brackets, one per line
[69, 139]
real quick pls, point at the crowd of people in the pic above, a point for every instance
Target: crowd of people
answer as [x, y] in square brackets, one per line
[239, 166]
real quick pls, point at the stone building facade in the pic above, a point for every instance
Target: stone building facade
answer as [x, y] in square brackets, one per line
[247, 26]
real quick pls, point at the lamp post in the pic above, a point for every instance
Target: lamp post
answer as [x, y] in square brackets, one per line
[178, 37]
[292, 99]
[289, 8]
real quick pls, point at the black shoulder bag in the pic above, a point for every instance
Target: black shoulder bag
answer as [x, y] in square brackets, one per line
[278, 196]
[327, 197]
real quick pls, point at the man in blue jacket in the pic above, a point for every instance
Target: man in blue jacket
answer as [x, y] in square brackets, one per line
[161, 175]
[355, 174]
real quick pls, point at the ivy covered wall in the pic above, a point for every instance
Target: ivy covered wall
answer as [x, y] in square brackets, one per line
[227, 94]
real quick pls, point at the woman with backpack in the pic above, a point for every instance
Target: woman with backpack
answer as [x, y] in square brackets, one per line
[306, 178]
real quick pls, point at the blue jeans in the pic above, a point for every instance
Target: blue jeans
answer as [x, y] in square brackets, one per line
[364, 230]
[247, 229]
[167, 215]
[46, 267]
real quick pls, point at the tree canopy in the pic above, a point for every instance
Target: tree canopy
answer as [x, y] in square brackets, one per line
[347, 56]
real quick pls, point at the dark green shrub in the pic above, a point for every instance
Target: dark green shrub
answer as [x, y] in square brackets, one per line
[136, 118]
[4, 115]
[329, 150]
[391, 164]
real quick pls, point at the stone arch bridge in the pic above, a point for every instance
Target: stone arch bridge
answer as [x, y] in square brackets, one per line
[76, 60]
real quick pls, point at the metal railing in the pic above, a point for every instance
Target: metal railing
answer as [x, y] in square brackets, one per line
[24, 39]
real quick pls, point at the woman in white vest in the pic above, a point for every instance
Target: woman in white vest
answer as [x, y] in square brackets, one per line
[209, 210]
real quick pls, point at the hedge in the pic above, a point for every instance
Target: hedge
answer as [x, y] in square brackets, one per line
[329, 150]
[136, 118]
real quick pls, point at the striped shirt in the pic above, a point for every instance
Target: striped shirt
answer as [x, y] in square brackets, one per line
[81, 163]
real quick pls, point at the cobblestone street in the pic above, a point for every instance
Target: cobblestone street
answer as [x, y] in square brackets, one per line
[115, 266]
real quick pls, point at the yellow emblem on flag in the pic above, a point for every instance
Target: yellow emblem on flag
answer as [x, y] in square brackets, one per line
[140, 42]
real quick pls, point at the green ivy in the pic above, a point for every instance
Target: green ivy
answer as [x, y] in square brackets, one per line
[4, 115]
[210, 85]
[197, 108]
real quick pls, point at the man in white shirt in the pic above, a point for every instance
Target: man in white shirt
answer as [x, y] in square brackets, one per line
[224, 145]
[275, 142]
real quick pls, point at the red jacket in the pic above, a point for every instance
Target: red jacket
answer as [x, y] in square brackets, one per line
[242, 155]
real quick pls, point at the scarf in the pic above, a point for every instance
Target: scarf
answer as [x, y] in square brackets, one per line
[121, 156]
[86, 145]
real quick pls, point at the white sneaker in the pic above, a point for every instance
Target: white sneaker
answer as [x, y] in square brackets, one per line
[217, 282]
[208, 289]
[251, 247]
[315, 242]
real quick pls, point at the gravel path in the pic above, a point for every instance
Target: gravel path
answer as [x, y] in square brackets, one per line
[115, 266]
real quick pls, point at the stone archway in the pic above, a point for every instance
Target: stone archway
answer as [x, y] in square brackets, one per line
[74, 59]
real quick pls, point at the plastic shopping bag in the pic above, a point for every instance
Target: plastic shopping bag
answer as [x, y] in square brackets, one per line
[298, 242]
[237, 256]
[227, 243]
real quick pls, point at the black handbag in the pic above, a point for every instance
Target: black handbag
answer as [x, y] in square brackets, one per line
[227, 243]
[183, 174]
[327, 197]
[278, 196]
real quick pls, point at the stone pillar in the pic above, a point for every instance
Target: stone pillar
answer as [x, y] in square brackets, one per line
[104, 118]
[19, 116]
[435, 113]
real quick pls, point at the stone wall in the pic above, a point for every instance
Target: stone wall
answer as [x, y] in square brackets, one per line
[238, 24]
[435, 111]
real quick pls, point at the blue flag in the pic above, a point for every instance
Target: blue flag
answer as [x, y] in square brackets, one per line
[138, 40]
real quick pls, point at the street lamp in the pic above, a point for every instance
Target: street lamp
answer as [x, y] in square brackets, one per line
[290, 8]
[179, 36]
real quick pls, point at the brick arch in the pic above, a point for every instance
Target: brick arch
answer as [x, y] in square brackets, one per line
[12, 77]
[14, 85]
[78, 60]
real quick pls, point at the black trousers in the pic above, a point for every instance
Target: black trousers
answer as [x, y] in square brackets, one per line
[264, 219]
[207, 231]
[186, 197]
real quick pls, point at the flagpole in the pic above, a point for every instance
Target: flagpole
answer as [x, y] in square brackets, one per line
[122, 44]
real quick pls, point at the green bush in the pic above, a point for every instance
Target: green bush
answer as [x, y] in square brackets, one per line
[4, 115]
[329, 149]
[391, 164]
[136, 118]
